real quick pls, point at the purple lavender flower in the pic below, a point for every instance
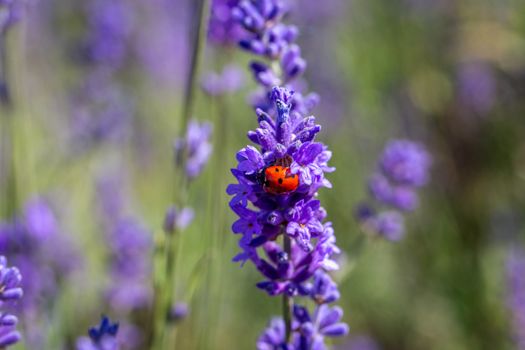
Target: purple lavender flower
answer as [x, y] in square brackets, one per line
[178, 312]
[230, 80]
[256, 25]
[361, 342]
[43, 255]
[8, 333]
[110, 25]
[103, 337]
[403, 167]
[10, 292]
[39, 219]
[313, 329]
[177, 219]
[477, 87]
[273, 337]
[130, 248]
[223, 28]
[101, 111]
[287, 139]
[10, 282]
[516, 295]
[194, 149]
[405, 163]
[10, 13]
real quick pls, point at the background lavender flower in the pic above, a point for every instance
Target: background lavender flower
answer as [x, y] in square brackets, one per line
[31, 242]
[223, 28]
[103, 337]
[10, 13]
[516, 295]
[110, 25]
[403, 167]
[194, 149]
[229, 80]
[130, 250]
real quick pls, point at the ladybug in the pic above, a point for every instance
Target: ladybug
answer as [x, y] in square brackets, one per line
[279, 180]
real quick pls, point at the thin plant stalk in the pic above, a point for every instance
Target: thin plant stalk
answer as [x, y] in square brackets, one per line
[169, 248]
[8, 134]
[287, 300]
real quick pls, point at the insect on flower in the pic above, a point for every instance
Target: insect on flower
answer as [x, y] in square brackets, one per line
[279, 180]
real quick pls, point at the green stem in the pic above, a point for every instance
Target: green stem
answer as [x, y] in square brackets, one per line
[165, 286]
[287, 300]
[8, 135]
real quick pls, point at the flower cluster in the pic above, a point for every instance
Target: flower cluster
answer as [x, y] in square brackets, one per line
[310, 329]
[229, 80]
[103, 337]
[403, 167]
[256, 25]
[516, 295]
[223, 28]
[30, 242]
[130, 250]
[10, 292]
[194, 149]
[101, 109]
[287, 140]
[10, 13]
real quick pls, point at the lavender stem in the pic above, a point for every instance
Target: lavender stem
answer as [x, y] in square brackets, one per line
[8, 134]
[164, 293]
[287, 300]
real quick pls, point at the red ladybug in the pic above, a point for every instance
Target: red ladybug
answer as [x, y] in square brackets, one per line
[279, 180]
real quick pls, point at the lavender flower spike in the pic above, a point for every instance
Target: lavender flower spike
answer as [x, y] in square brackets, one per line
[287, 146]
[10, 291]
[10, 281]
[103, 337]
[195, 148]
[403, 167]
[10, 13]
[516, 295]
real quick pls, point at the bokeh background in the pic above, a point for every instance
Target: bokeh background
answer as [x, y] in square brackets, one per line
[95, 142]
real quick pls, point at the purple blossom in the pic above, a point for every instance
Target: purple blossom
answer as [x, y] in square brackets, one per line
[10, 292]
[110, 25]
[273, 337]
[103, 337]
[129, 245]
[177, 219]
[405, 163]
[312, 330]
[10, 13]
[10, 282]
[287, 139]
[229, 80]
[223, 28]
[264, 35]
[39, 219]
[101, 111]
[516, 295]
[403, 167]
[178, 312]
[8, 333]
[361, 342]
[194, 149]
[477, 87]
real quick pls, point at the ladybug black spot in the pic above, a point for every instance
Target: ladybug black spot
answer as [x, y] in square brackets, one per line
[280, 181]
[276, 170]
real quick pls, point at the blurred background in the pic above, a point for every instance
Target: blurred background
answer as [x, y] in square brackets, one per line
[97, 91]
